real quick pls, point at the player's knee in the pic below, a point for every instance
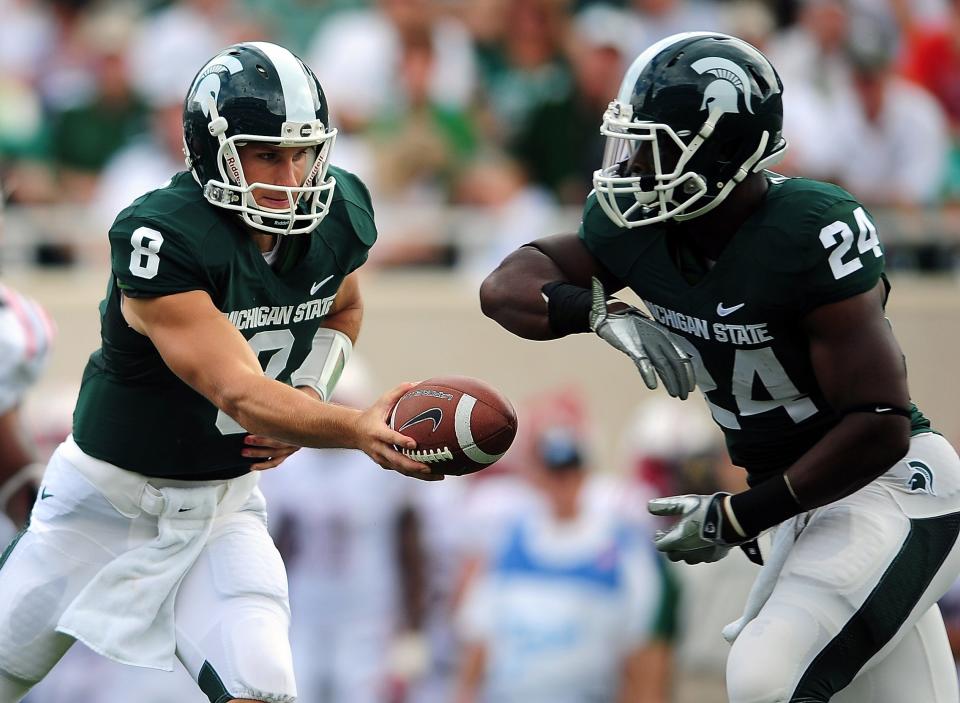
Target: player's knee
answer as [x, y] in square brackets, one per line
[12, 689]
[759, 679]
[756, 688]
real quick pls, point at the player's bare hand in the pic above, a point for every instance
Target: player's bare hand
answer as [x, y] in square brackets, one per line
[271, 451]
[384, 445]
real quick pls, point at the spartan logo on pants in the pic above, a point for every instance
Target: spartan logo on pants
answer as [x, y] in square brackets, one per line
[921, 478]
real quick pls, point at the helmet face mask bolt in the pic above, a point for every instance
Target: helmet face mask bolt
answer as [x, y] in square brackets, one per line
[252, 93]
[694, 109]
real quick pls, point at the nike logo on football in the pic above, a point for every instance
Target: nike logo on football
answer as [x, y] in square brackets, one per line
[44, 495]
[723, 312]
[433, 414]
[317, 286]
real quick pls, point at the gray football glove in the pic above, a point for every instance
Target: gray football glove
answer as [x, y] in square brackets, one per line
[695, 538]
[647, 343]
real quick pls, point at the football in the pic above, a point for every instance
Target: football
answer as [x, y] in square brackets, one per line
[461, 424]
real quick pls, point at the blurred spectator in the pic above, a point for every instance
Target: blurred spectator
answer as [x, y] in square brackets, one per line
[439, 508]
[164, 54]
[26, 333]
[420, 142]
[931, 58]
[84, 135]
[357, 57]
[26, 40]
[711, 595]
[145, 163]
[661, 18]
[510, 212]
[811, 58]
[670, 448]
[419, 147]
[750, 20]
[566, 608]
[26, 37]
[350, 540]
[896, 148]
[62, 75]
[673, 449]
[293, 23]
[560, 145]
[950, 608]
[520, 49]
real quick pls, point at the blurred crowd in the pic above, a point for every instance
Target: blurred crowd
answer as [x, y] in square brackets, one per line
[491, 106]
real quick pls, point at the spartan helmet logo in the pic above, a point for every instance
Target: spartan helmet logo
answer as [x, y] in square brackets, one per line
[206, 87]
[722, 93]
[921, 478]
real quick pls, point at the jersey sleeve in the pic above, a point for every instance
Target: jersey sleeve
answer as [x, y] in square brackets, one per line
[149, 259]
[845, 257]
[352, 230]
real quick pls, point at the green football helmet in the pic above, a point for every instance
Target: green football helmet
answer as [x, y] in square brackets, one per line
[696, 114]
[259, 92]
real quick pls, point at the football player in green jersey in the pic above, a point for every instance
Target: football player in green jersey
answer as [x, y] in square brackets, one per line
[231, 309]
[772, 290]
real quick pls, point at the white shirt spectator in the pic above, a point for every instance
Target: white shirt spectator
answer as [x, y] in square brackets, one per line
[900, 158]
[561, 604]
[342, 511]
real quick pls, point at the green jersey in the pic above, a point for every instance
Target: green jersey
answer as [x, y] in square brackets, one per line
[809, 244]
[133, 411]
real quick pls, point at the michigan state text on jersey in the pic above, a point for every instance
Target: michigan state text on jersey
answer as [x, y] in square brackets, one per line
[171, 241]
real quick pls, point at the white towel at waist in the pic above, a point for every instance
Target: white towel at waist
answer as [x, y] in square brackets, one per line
[785, 535]
[126, 611]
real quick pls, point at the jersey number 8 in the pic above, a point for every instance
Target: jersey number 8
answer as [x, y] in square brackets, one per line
[144, 261]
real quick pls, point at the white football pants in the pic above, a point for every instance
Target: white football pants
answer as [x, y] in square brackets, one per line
[853, 617]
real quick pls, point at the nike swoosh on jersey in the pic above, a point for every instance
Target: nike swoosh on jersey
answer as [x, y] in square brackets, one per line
[317, 286]
[433, 414]
[723, 312]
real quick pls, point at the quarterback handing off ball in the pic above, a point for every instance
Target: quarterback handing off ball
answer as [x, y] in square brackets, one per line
[461, 424]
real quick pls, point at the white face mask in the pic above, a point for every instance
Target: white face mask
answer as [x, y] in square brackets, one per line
[233, 192]
[643, 178]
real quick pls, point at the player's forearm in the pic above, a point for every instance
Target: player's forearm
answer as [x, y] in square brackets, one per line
[859, 449]
[347, 313]
[512, 295]
[14, 450]
[855, 452]
[267, 407]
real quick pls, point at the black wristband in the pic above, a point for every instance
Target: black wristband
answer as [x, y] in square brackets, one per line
[568, 308]
[765, 505]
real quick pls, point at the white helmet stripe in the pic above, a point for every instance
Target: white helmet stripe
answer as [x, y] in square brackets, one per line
[640, 63]
[294, 81]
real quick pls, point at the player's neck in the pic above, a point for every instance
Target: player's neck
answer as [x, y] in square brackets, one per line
[709, 235]
[264, 240]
